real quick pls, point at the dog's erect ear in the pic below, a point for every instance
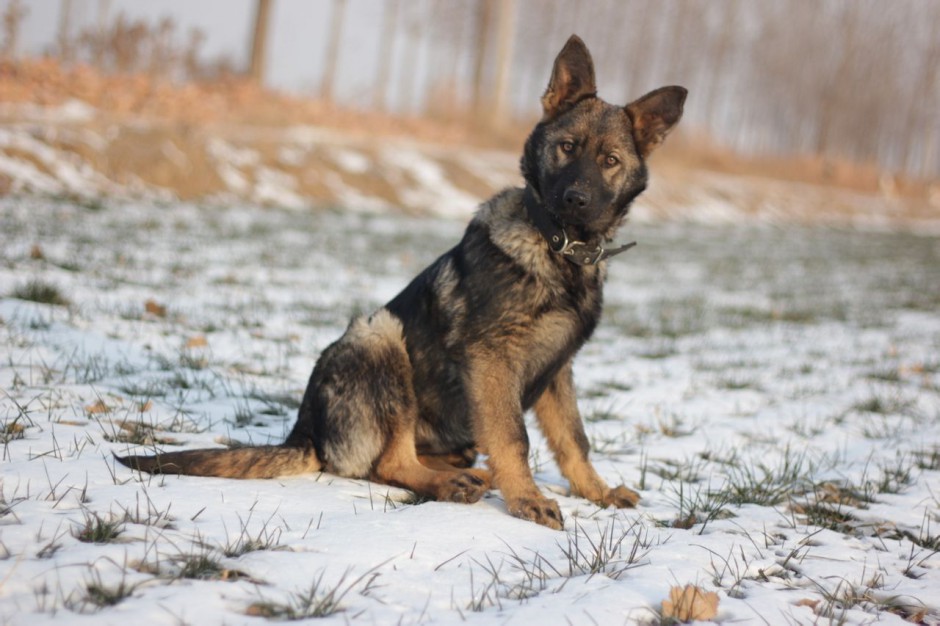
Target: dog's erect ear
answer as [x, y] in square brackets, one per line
[572, 79]
[654, 115]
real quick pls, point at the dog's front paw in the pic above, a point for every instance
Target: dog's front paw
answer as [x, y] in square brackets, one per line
[620, 497]
[466, 487]
[539, 510]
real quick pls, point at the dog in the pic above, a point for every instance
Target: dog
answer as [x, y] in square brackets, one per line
[410, 395]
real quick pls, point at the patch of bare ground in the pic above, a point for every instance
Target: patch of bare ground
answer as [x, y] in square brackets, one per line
[230, 139]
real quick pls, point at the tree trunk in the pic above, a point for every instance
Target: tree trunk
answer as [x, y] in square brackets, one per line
[328, 83]
[484, 18]
[504, 44]
[718, 55]
[64, 39]
[259, 41]
[104, 8]
[386, 48]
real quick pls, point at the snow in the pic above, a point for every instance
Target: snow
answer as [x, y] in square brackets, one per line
[351, 161]
[70, 111]
[798, 359]
[426, 185]
[60, 173]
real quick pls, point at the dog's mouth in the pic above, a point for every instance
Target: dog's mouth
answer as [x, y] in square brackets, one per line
[571, 205]
[589, 222]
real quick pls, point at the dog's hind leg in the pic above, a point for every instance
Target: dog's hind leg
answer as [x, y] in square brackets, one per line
[360, 410]
[460, 460]
[399, 465]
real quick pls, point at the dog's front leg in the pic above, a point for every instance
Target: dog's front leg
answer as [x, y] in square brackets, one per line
[557, 412]
[499, 427]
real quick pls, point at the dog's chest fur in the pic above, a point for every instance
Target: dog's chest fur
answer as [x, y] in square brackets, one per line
[500, 296]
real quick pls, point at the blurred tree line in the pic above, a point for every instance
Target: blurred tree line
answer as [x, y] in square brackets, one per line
[852, 79]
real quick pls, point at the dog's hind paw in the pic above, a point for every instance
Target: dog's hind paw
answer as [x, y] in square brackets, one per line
[466, 487]
[620, 497]
[539, 510]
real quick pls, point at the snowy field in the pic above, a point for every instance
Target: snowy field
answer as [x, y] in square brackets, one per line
[773, 393]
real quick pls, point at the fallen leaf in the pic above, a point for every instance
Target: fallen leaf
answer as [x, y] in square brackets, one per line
[97, 408]
[155, 308]
[812, 604]
[261, 609]
[13, 428]
[689, 603]
[36, 253]
[199, 341]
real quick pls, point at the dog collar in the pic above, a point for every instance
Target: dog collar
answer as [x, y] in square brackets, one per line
[577, 252]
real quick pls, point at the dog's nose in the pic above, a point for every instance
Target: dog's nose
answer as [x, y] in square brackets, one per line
[575, 199]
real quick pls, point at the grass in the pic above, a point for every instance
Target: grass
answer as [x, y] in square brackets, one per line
[200, 563]
[927, 458]
[40, 291]
[137, 433]
[699, 505]
[613, 552]
[688, 470]
[320, 599]
[602, 412]
[754, 482]
[888, 403]
[608, 550]
[148, 515]
[96, 595]
[744, 486]
[266, 538]
[833, 516]
[99, 595]
[895, 476]
[737, 382]
[97, 529]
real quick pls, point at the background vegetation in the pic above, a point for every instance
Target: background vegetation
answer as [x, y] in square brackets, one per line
[848, 80]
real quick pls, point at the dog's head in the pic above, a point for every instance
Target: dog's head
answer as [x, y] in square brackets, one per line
[586, 159]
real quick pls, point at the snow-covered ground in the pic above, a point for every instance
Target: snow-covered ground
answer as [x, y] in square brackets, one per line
[773, 393]
[77, 151]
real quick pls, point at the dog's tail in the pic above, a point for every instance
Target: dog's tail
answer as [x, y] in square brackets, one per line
[250, 462]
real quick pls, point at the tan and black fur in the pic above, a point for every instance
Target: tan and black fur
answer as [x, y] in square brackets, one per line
[409, 395]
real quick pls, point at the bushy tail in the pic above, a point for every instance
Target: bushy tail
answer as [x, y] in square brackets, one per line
[253, 462]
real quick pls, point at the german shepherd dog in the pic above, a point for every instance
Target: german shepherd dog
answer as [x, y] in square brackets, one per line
[411, 394]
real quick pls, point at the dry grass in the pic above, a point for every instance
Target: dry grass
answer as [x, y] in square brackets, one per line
[155, 135]
[224, 101]
[229, 100]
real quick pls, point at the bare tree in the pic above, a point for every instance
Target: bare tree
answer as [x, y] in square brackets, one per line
[446, 43]
[843, 78]
[64, 45]
[721, 46]
[922, 127]
[259, 40]
[484, 19]
[505, 22]
[335, 38]
[104, 10]
[412, 21]
[386, 49]
[12, 20]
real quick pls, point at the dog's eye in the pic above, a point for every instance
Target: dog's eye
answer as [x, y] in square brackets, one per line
[611, 160]
[567, 147]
